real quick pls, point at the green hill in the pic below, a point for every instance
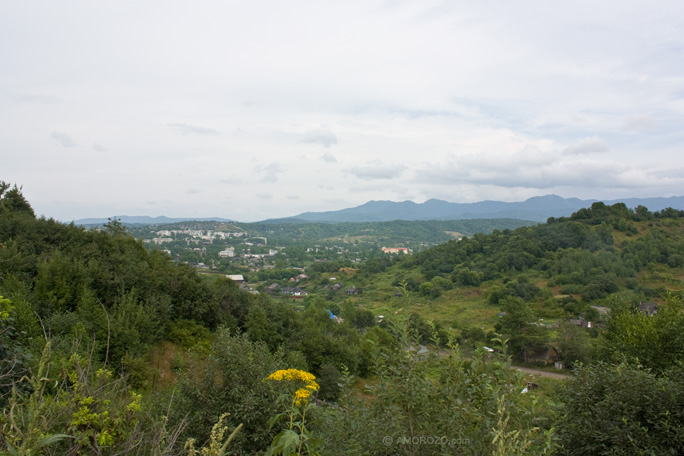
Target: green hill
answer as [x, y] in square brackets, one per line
[109, 348]
[560, 269]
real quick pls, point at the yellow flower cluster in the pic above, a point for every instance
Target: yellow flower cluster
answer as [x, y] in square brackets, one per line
[301, 395]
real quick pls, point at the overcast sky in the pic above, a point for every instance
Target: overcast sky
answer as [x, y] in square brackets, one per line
[259, 109]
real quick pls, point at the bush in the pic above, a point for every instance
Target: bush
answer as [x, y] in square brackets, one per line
[621, 410]
[230, 380]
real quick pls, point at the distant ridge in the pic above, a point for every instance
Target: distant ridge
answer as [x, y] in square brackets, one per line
[538, 209]
[146, 220]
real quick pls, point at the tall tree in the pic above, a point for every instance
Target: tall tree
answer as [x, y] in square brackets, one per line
[12, 200]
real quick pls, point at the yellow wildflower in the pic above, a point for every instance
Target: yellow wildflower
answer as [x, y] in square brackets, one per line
[301, 395]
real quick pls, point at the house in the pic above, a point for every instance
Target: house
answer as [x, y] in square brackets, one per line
[544, 355]
[237, 278]
[247, 288]
[393, 250]
[294, 291]
[649, 308]
[227, 253]
[273, 288]
[336, 287]
[352, 291]
[603, 311]
[581, 322]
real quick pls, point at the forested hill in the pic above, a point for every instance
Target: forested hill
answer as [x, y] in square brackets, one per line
[595, 252]
[70, 278]
[107, 348]
[398, 232]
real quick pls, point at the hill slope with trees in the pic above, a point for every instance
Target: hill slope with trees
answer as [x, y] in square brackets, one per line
[109, 348]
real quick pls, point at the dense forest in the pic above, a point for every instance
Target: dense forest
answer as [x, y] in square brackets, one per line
[110, 348]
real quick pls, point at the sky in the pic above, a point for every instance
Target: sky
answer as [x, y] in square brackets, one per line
[260, 109]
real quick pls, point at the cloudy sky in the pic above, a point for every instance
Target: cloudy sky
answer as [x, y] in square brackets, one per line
[258, 109]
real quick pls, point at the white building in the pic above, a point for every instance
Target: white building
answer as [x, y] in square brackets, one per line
[227, 253]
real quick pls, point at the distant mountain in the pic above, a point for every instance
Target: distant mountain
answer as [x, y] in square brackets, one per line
[146, 220]
[538, 209]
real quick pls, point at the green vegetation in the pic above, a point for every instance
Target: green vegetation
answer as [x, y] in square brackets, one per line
[287, 245]
[107, 347]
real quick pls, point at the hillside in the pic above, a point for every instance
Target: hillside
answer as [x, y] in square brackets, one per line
[596, 257]
[109, 348]
[399, 232]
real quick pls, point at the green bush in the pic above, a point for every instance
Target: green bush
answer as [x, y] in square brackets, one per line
[229, 380]
[622, 410]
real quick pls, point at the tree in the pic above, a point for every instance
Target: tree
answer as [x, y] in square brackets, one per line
[13, 200]
[517, 325]
[573, 344]
[230, 379]
[467, 406]
[621, 410]
[654, 341]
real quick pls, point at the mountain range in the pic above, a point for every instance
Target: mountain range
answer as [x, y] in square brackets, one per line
[537, 209]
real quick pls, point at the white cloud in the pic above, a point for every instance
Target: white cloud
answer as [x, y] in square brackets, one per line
[456, 100]
[269, 173]
[328, 157]
[639, 124]
[188, 129]
[63, 139]
[377, 170]
[587, 146]
[36, 98]
[322, 135]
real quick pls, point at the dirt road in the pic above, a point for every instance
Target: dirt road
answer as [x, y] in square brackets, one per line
[541, 373]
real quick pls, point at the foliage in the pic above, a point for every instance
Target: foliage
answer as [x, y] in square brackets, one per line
[296, 438]
[217, 446]
[622, 410]
[654, 341]
[23, 430]
[82, 410]
[229, 379]
[579, 251]
[574, 344]
[13, 357]
[470, 406]
[401, 381]
[12, 201]
[519, 326]
[102, 284]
